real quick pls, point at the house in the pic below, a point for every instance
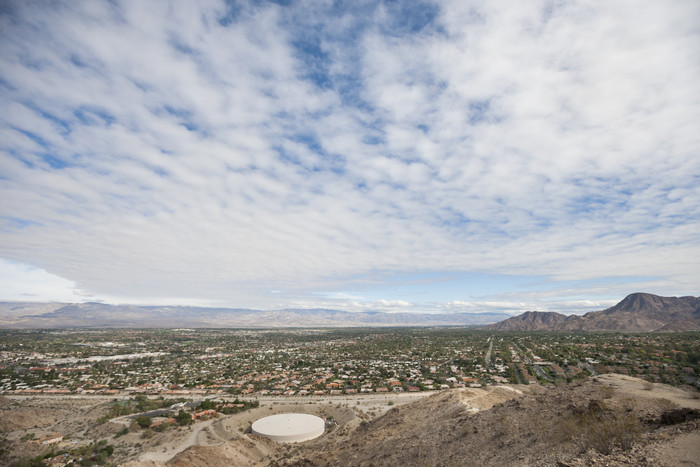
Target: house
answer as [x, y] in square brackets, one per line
[165, 421]
[557, 370]
[203, 413]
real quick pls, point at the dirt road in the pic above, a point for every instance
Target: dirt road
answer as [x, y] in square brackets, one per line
[168, 450]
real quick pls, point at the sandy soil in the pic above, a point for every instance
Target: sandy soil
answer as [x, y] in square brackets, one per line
[682, 451]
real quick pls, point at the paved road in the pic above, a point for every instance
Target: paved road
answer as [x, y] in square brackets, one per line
[488, 354]
[541, 373]
[374, 398]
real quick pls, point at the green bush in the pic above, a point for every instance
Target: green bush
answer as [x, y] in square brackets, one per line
[143, 421]
[183, 418]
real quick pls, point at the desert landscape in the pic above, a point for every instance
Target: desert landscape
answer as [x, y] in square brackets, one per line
[606, 419]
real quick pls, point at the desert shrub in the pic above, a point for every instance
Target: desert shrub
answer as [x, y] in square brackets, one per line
[603, 430]
[648, 385]
[540, 426]
[29, 462]
[607, 431]
[606, 392]
[627, 404]
[667, 404]
[162, 427]
[148, 434]
[101, 458]
[143, 421]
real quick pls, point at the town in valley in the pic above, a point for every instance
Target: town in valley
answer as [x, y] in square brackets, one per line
[144, 382]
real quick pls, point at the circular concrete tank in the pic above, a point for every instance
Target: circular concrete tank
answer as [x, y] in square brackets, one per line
[289, 427]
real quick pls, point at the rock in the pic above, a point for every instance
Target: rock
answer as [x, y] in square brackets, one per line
[674, 417]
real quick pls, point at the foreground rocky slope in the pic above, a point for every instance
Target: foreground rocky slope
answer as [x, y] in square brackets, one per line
[606, 419]
[611, 419]
[638, 312]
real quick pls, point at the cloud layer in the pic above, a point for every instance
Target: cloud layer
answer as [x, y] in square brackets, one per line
[320, 154]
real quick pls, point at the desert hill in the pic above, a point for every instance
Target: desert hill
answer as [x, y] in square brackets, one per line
[530, 321]
[638, 312]
[603, 420]
[606, 420]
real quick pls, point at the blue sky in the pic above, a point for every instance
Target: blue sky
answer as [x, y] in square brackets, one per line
[366, 155]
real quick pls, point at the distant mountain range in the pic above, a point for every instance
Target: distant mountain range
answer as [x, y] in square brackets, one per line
[31, 315]
[638, 312]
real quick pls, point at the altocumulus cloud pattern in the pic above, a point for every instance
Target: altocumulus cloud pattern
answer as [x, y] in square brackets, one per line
[444, 156]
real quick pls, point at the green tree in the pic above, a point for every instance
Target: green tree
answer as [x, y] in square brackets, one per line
[143, 421]
[183, 418]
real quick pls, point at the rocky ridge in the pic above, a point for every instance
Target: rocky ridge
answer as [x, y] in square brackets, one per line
[608, 420]
[638, 312]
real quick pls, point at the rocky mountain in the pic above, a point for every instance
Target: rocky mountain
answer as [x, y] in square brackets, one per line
[62, 315]
[530, 321]
[638, 312]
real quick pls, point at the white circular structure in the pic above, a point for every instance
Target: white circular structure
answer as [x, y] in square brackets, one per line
[290, 427]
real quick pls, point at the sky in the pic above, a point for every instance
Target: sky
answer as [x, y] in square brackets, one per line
[449, 156]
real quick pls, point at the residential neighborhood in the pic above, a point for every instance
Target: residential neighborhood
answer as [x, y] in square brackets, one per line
[257, 363]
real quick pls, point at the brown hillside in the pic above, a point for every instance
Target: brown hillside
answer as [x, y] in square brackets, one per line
[529, 321]
[539, 427]
[638, 312]
[607, 420]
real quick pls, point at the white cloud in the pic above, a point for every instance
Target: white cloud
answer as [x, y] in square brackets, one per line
[25, 283]
[152, 152]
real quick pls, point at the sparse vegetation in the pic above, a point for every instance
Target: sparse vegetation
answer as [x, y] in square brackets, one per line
[606, 392]
[603, 430]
